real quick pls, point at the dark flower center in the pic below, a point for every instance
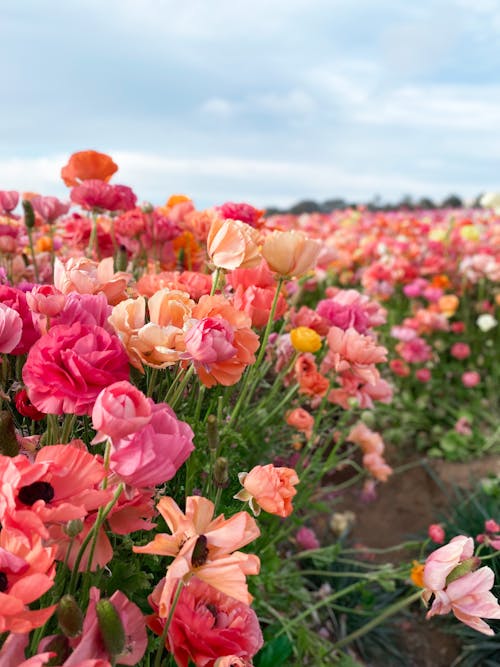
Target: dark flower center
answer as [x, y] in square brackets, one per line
[3, 582]
[29, 494]
[200, 552]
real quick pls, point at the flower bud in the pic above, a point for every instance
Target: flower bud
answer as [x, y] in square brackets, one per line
[73, 527]
[58, 645]
[29, 214]
[8, 440]
[110, 627]
[69, 616]
[121, 259]
[463, 568]
[221, 472]
[212, 432]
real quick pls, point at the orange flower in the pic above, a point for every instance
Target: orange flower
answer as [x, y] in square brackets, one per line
[43, 244]
[441, 280]
[173, 200]
[448, 304]
[232, 244]
[205, 547]
[86, 165]
[290, 253]
[268, 488]
[417, 574]
[301, 420]
[170, 307]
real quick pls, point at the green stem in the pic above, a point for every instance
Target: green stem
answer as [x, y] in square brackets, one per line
[269, 325]
[386, 613]
[164, 634]
[215, 281]
[182, 385]
[32, 251]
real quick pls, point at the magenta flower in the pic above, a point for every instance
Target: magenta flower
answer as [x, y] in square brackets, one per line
[9, 199]
[49, 208]
[210, 340]
[70, 365]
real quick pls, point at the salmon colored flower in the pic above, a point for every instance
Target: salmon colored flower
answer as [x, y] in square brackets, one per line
[227, 371]
[436, 533]
[448, 304]
[204, 547]
[170, 307]
[350, 350]
[232, 244]
[301, 420]
[86, 165]
[207, 625]
[26, 572]
[372, 446]
[268, 488]
[311, 381]
[305, 340]
[88, 277]
[290, 253]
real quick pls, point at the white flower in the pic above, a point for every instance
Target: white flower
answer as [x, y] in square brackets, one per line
[491, 200]
[486, 322]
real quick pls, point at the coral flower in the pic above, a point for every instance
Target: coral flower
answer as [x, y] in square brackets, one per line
[26, 572]
[88, 277]
[269, 488]
[86, 165]
[301, 420]
[232, 244]
[350, 350]
[290, 253]
[204, 547]
[207, 625]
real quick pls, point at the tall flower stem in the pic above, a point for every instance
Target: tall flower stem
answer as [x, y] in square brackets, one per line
[215, 281]
[166, 628]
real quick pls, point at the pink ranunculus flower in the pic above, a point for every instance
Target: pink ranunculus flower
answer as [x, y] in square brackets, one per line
[69, 366]
[45, 300]
[9, 199]
[120, 410]
[445, 559]
[460, 351]
[350, 350]
[306, 539]
[16, 299]
[436, 533]
[269, 488]
[210, 340]
[49, 208]
[470, 599]
[470, 379]
[301, 420]
[11, 329]
[423, 375]
[154, 453]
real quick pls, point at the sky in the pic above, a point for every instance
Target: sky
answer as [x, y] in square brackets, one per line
[264, 101]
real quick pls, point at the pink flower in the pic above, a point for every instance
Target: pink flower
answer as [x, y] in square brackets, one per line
[120, 410]
[11, 329]
[491, 526]
[90, 644]
[69, 366]
[207, 625]
[154, 453]
[269, 488]
[306, 539]
[350, 350]
[96, 194]
[209, 341]
[9, 199]
[471, 379]
[423, 375]
[436, 533]
[414, 351]
[460, 350]
[45, 300]
[243, 212]
[463, 426]
[445, 559]
[257, 302]
[49, 208]
[399, 367]
[470, 600]
[16, 299]
[301, 420]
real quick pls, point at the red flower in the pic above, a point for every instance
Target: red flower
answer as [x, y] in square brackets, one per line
[86, 165]
[25, 407]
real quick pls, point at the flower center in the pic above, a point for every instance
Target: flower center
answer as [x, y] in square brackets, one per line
[3, 582]
[29, 494]
[200, 552]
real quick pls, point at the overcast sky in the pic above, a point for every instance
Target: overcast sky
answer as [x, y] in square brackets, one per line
[266, 101]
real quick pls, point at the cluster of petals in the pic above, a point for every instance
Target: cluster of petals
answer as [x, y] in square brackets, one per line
[204, 547]
[79, 274]
[372, 446]
[450, 575]
[269, 488]
[351, 351]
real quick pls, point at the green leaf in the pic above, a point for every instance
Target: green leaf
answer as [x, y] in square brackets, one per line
[274, 653]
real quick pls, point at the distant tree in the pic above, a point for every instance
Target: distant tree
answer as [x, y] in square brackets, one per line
[305, 206]
[426, 203]
[452, 201]
[272, 210]
[337, 204]
[406, 203]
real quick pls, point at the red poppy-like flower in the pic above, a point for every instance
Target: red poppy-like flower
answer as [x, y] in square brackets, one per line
[86, 165]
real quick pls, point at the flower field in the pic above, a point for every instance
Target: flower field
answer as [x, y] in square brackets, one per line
[190, 396]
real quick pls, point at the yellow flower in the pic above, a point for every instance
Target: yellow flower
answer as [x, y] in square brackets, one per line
[305, 339]
[417, 574]
[470, 233]
[437, 234]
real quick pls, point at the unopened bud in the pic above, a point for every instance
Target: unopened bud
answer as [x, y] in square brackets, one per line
[69, 616]
[368, 418]
[147, 207]
[121, 259]
[8, 440]
[60, 646]
[221, 472]
[73, 527]
[212, 432]
[463, 568]
[110, 627]
[29, 214]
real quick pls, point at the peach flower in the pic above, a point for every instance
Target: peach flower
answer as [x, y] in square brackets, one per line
[232, 244]
[268, 488]
[350, 350]
[170, 307]
[301, 420]
[290, 253]
[88, 277]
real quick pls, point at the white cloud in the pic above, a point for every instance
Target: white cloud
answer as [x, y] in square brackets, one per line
[218, 106]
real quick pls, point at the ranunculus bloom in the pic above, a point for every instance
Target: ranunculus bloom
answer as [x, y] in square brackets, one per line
[204, 547]
[28, 571]
[372, 446]
[25, 407]
[305, 339]
[49, 208]
[350, 350]
[257, 303]
[486, 322]
[86, 165]
[399, 367]
[460, 350]
[470, 379]
[269, 488]
[209, 341]
[9, 199]
[96, 194]
[88, 277]
[170, 307]
[232, 244]
[445, 559]
[16, 299]
[153, 454]
[207, 625]
[120, 410]
[301, 420]
[306, 539]
[45, 300]
[448, 304]
[290, 253]
[243, 212]
[423, 375]
[11, 329]
[69, 366]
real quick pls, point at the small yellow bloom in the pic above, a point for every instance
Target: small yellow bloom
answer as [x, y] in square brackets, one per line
[305, 339]
[437, 234]
[417, 574]
[470, 233]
